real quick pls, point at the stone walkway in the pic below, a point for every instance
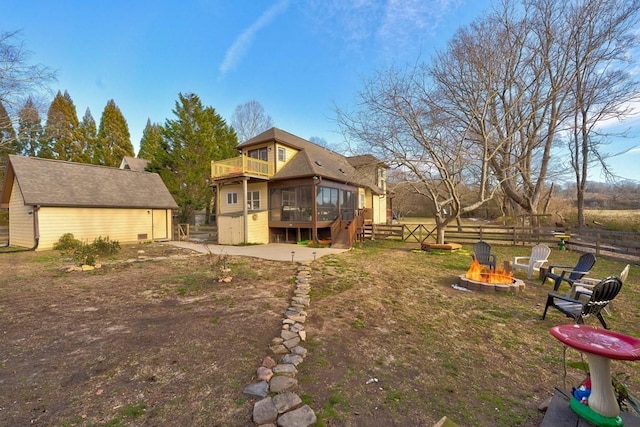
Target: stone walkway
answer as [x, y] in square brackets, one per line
[277, 374]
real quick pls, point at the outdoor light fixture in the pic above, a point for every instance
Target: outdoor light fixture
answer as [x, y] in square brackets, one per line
[292, 255]
[314, 255]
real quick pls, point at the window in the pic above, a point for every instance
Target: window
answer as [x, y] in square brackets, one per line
[232, 198]
[282, 154]
[253, 200]
[260, 154]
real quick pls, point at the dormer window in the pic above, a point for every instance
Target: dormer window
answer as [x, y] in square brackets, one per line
[282, 154]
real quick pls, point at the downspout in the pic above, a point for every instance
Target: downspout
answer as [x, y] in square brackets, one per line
[36, 234]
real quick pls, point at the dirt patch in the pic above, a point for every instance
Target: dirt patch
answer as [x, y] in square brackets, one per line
[390, 341]
[144, 343]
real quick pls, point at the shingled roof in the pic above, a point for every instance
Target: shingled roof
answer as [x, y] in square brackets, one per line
[311, 160]
[134, 163]
[47, 182]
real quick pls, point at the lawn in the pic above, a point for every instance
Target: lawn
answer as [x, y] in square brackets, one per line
[390, 341]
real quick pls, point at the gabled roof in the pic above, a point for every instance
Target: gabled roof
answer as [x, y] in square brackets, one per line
[47, 182]
[134, 163]
[312, 160]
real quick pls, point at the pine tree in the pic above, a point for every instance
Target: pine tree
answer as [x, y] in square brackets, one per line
[151, 140]
[190, 142]
[114, 140]
[30, 132]
[8, 140]
[88, 136]
[62, 135]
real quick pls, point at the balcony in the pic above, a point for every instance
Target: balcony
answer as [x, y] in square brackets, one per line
[241, 166]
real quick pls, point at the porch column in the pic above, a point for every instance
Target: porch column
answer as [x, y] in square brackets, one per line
[245, 210]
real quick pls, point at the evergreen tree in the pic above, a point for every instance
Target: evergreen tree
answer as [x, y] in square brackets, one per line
[190, 142]
[62, 139]
[30, 132]
[88, 136]
[151, 140]
[114, 140]
[7, 139]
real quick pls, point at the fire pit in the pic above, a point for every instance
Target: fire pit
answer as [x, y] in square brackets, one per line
[479, 278]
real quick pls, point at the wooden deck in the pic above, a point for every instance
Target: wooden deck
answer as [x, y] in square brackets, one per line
[559, 414]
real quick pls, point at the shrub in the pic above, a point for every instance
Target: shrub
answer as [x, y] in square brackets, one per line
[86, 253]
[67, 243]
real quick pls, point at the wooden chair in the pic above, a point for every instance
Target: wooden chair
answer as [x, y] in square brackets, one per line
[602, 294]
[482, 254]
[537, 259]
[584, 265]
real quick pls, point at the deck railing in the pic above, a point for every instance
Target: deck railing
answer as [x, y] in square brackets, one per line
[241, 165]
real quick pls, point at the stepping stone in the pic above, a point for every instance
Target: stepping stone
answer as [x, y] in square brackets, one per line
[260, 389]
[280, 383]
[286, 401]
[264, 411]
[301, 417]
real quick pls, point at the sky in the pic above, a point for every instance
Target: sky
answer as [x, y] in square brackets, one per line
[300, 59]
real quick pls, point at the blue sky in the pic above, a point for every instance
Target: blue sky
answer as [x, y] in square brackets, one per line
[296, 57]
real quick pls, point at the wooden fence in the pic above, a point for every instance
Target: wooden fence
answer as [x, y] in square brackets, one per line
[614, 244]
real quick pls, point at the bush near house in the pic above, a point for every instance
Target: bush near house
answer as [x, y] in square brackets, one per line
[84, 253]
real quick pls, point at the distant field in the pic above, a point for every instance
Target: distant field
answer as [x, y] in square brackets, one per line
[610, 213]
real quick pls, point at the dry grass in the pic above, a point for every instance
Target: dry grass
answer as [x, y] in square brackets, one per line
[386, 311]
[163, 343]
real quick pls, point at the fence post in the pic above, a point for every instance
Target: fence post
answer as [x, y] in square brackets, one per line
[598, 242]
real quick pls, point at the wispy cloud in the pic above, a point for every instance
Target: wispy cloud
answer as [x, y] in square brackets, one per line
[406, 22]
[391, 25]
[243, 42]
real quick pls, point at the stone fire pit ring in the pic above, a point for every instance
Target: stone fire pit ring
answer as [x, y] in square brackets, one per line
[516, 287]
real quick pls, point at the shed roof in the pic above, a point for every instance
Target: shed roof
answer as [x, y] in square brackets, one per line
[47, 182]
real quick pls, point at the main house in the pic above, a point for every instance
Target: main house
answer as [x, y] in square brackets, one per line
[283, 188]
[48, 198]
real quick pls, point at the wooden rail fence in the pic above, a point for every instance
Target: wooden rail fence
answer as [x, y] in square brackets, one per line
[623, 245]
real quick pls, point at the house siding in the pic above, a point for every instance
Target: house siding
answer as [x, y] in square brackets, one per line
[290, 152]
[86, 224]
[21, 232]
[258, 221]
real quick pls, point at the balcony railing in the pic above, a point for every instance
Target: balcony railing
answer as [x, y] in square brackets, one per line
[239, 166]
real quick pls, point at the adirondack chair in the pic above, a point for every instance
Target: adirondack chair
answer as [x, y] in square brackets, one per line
[583, 288]
[482, 254]
[585, 263]
[602, 294]
[537, 259]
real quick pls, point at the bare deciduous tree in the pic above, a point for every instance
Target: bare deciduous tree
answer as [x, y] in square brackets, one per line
[249, 120]
[17, 77]
[400, 122]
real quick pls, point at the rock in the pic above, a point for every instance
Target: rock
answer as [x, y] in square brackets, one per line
[98, 265]
[260, 389]
[292, 342]
[303, 335]
[86, 267]
[286, 369]
[268, 362]
[298, 318]
[279, 349]
[264, 373]
[140, 252]
[301, 417]
[301, 300]
[287, 335]
[291, 311]
[264, 411]
[299, 351]
[294, 359]
[286, 401]
[277, 341]
[75, 268]
[296, 327]
[288, 322]
[544, 405]
[281, 383]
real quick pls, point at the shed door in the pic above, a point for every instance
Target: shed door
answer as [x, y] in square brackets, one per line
[160, 227]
